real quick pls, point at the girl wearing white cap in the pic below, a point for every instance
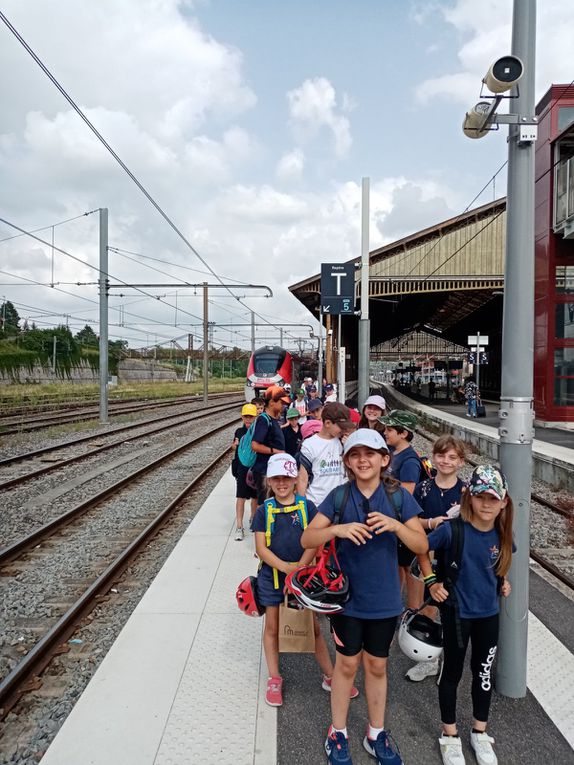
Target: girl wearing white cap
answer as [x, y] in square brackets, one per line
[375, 513]
[373, 408]
[278, 525]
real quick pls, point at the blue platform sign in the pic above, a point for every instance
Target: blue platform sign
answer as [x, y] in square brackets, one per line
[337, 288]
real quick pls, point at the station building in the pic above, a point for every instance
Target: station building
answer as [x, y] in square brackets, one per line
[432, 289]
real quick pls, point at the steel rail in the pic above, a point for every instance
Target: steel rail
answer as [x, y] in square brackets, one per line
[552, 569]
[56, 420]
[40, 655]
[42, 533]
[18, 480]
[103, 434]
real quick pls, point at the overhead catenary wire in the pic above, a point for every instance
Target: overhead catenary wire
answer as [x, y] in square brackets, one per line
[117, 158]
[53, 225]
[89, 265]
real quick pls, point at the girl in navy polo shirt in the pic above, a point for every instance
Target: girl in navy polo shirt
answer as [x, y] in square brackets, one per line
[439, 498]
[278, 525]
[366, 533]
[471, 610]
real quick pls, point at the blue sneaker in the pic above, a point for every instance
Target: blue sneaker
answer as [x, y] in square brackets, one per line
[337, 748]
[383, 749]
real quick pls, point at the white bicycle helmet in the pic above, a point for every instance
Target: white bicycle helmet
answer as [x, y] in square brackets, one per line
[420, 638]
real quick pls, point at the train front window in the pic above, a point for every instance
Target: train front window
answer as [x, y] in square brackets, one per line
[267, 364]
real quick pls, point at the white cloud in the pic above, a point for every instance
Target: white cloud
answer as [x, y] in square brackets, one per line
[290, 166]
[313, 106]
[486, 28]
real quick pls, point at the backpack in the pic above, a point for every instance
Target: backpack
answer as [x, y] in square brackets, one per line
[448, 562]
[245, 453]
[341, 497]
[427, 468]
[271, 509]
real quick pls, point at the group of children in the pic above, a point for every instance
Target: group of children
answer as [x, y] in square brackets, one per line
[389, 517]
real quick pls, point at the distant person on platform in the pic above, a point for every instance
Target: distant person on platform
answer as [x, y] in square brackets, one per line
[329, 393]
[292, 432]
[471, 396]
[321, 459]
[300, 405]
[315, 408]
[313, 393]
[432, 390]
[268, 437]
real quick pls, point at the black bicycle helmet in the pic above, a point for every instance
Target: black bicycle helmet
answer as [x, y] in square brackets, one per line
[320, 588]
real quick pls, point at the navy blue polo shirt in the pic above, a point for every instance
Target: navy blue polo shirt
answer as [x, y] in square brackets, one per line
[267, 431]
[405, 466]
[476, 584]
[436, 501]
[372, 568]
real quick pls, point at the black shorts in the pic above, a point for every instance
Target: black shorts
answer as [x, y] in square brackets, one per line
[353, 635]
[404, 555]
[243, 491]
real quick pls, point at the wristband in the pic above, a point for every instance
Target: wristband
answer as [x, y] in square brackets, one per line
[430, 580]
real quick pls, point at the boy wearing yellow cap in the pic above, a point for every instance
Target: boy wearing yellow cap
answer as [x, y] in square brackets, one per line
[243, 490]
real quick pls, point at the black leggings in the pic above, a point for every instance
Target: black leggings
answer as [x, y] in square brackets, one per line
[483, 635]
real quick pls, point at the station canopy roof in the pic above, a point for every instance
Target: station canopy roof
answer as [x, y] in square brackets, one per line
[447, 279]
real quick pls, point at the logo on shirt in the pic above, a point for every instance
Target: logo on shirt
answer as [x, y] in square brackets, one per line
[295, 520]
[330, 467]
[494, 552]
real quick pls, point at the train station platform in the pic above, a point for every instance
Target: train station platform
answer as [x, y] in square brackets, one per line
[185, 680]
[552, 448]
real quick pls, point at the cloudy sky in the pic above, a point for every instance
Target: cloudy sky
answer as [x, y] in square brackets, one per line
[251, 123]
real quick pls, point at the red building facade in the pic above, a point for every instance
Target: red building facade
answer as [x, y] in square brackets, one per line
[554, 257]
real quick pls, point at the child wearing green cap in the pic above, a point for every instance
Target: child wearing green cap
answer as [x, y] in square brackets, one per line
[292, 431]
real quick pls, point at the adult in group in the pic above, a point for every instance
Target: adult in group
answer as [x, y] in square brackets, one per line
[373, 408]
[321, 460]
[268, 437]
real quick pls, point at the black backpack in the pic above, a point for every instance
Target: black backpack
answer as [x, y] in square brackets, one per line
[448, 562]
[343, 491]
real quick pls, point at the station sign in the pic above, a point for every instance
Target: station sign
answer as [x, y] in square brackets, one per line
[337, 288]
[478, 339]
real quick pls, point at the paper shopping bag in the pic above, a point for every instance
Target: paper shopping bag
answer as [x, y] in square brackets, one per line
[296, 631]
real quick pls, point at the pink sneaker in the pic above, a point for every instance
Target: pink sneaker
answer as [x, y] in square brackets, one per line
[326, 686]
[274, 695]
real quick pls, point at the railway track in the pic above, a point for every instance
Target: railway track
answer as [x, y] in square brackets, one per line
[170, 421]
[39, 546]
[35, 423]
[57, 404]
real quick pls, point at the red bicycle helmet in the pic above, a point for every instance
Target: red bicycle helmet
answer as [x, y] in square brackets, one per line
[320, 588]
[246, 596]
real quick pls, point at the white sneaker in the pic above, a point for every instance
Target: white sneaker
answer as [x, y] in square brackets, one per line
[422, 669]
[482, 745]
[239, 534]
[451, 750]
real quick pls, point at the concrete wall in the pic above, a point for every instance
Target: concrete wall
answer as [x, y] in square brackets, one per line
[83, 373]
[145, 370]
[130, 370]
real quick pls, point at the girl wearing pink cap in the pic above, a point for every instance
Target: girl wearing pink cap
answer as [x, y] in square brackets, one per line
[373, 408]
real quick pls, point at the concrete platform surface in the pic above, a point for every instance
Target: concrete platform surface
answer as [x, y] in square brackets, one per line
[185, 680]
